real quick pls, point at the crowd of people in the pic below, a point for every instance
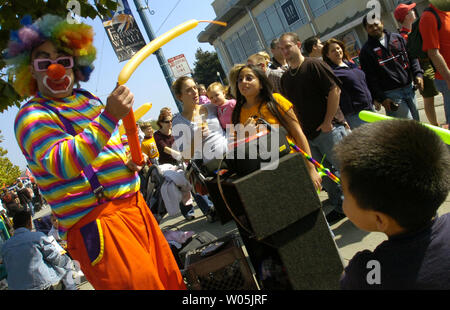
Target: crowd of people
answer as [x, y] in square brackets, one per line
[315, 93]
[22, 197]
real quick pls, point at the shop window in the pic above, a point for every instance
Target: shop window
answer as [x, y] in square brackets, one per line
[319, 7]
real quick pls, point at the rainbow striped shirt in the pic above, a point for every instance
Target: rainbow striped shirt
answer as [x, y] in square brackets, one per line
[57, 159]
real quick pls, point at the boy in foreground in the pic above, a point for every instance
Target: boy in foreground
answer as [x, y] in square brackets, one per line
[394, 178]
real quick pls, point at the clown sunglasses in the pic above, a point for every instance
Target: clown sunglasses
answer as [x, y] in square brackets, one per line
[42, 64]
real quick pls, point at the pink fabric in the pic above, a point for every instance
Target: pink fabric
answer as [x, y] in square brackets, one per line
[224, 112]
[203, 100]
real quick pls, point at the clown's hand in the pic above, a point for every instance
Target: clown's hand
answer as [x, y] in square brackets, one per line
[133, 166]
[120, 102]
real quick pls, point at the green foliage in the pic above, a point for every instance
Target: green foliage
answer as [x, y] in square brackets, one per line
[8, 172]
[12, 12]
[206, 67]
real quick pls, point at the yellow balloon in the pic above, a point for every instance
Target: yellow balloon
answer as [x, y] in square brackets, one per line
[151, 47]
[141, 111]
[154, 45]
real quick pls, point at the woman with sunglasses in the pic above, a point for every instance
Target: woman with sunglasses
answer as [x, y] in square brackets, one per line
[164, 137]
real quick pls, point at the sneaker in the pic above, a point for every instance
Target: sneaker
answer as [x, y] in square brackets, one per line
[189, 217]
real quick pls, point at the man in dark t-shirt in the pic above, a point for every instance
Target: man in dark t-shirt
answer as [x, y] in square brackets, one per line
[314, 90]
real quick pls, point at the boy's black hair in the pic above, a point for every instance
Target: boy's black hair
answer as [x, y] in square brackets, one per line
[21, 219]
[397, 167]
[309, 43]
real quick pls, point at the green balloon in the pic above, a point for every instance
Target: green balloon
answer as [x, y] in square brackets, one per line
[371, 117]
[443, 5]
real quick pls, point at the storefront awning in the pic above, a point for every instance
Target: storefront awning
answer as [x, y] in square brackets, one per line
[231, 16]
[346, 24]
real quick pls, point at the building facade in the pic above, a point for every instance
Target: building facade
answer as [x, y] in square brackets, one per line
[253, 24]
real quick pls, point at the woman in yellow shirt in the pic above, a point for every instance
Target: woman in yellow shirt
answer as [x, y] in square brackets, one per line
[254, 97]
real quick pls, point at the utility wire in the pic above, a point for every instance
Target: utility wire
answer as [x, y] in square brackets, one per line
[101, 61]
[168, 16]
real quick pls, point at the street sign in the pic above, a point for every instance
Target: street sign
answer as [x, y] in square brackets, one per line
[123, 32]
[179, 66]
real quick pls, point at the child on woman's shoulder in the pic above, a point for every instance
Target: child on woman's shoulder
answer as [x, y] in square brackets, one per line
[394, 178]
[203, 98]
[216, 93]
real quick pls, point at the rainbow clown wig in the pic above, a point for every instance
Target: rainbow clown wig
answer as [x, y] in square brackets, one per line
[74, 39]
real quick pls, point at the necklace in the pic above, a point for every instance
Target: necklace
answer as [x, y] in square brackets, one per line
[296, 71]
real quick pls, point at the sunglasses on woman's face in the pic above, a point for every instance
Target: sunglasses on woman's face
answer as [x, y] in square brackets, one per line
[166, 122]
[42, 64]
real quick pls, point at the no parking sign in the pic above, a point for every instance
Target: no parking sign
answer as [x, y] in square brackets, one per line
[179, 66]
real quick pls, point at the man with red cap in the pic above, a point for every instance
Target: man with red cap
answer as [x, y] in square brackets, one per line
[405, 15]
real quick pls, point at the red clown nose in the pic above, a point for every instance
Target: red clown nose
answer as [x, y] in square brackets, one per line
[56, 71]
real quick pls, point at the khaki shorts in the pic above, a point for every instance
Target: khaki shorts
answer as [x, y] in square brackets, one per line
[429, 89]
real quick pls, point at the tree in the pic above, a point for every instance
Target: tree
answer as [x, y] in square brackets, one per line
[8, 172]
[206, 67]
[12, 12]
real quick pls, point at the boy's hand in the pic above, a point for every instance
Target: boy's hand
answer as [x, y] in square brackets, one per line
[119, 102]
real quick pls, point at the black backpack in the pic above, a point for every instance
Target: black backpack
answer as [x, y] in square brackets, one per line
[415, 41]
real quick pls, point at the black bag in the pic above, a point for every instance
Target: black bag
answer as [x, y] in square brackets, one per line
[415, 41]
[196, 242]
[246, 165]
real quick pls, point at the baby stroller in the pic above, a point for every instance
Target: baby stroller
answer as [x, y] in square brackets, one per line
[151, 183]
[153, 179]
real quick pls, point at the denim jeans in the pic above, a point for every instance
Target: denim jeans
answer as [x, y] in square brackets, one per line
[441, 85]
[321, 146]
[406, 99]
[354, 121]
[30, 207]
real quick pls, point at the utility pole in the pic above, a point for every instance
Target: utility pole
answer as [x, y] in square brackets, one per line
[159, 54]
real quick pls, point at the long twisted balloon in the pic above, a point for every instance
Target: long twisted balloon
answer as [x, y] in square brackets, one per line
[371, 117]
[129, 121]
[318, 165]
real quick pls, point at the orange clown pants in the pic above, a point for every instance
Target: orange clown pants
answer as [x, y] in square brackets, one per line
[120, 246]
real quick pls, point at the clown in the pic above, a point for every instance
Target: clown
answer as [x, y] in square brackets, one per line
[74, 149]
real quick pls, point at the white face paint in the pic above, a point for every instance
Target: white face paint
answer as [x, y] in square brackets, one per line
[60, 86]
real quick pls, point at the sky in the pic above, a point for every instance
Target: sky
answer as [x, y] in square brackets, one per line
[147, 83]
